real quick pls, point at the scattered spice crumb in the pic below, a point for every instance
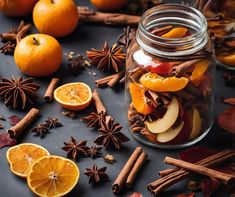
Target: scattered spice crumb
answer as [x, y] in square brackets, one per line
[109, 159]
[70, 114]
[94, 74]
[1, 126]
[2, 118]
[194, 186]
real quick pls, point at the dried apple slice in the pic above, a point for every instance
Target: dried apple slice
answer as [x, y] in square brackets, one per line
[166, 122]
[196, 124]
[170, 134]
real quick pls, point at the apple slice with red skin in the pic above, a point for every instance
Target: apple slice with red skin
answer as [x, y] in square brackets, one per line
[161, 68]
[196, 124]
[166, 122]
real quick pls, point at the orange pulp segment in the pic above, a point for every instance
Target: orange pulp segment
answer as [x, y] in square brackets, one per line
[199, 70]
[138, 99]
[22, 156]
[73, 96]
[178, 32]
[53, 176]
[157, 83]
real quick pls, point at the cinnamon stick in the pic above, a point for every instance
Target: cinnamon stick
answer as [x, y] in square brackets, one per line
[163, 183]
[22, 32]
[225, 178]
[98, 103]
[167, 171]
[20, 127]
[110, 81]
[8, 36]
[230, 101]
[178, 70]
[48, 96]
[86, 15]
[139, 163]
[122, 177]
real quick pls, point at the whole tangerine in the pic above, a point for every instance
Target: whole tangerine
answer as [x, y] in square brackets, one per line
[57, 18]
[17, 8]
[107, 5]
[38, 55]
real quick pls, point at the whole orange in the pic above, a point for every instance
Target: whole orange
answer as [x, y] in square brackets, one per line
[109, 5]
[38, 55]
[57, 18]
[17, 7]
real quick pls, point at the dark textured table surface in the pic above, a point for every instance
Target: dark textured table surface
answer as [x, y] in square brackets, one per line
[84, 38]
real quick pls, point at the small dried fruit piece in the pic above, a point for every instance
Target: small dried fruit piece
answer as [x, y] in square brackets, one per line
[22, 156]
[178, 32]
[226, 119]
[109, 159]
[53, 176]
[157, 83]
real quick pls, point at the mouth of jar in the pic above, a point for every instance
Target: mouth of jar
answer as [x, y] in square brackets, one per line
[175, 15]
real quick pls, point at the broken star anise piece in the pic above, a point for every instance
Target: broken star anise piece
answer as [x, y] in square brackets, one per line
[127, 36]
[107, 58]
[111, 135]
[53, 123]
[94, 152]
[96, 175]
[8, 48]
[40, 130]
[18, 93]
[74, 149]
[94, 119]
[77, 64]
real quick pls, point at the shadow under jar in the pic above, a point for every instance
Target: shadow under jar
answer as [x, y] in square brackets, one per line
[170, 71]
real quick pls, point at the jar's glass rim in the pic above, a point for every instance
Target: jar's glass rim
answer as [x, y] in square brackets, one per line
[159, 8]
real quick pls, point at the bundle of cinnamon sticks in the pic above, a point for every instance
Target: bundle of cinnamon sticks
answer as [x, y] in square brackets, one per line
[128, 173]
[170, 177]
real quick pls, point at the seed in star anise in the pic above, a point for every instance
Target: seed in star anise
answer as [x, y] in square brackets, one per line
[40, 130]
[111, 135]
[18, 93]
[94, 152]
[107, 58]
[94, 119]
[53, 123]
[75, 149]
[96, 175]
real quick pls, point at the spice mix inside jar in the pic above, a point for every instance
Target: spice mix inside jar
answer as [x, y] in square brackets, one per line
[170, 71]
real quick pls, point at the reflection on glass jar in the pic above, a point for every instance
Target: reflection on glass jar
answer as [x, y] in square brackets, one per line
[170, 71]
[221, 25]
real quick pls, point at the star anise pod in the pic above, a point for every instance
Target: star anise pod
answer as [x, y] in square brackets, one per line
[40, 130]
[74, 149]
[94, 152]
[96, 175]
[18, 93]
[111, 135]
[77, 64]
[94, 119]
[107, 57]
[8, 48]
[53, 123]
[127, 36]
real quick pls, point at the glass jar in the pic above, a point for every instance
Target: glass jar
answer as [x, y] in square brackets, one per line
[170, 69]
[221, 19]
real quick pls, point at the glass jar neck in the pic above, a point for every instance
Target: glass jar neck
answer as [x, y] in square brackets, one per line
[177, 16]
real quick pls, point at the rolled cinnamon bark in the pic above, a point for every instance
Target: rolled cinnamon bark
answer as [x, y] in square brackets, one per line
[98, 103]
[225, 178]
[87, 15]
[122, 177]
[20, 127]
[48, 96]
[139, 163]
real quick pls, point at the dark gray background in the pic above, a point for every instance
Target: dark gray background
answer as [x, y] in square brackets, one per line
[84, 38]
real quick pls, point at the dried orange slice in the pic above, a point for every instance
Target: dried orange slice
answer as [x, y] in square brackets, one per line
[22, 156]
[178, 32]
[73, 96]
[138, 99]
[53, 176]
[199, 71]
[157, 83]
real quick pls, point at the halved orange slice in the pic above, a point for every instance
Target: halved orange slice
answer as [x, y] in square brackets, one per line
[139, 99]
[53, 176]
[155, 82]
[22, 156]
[178, 32]
[73, 96]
